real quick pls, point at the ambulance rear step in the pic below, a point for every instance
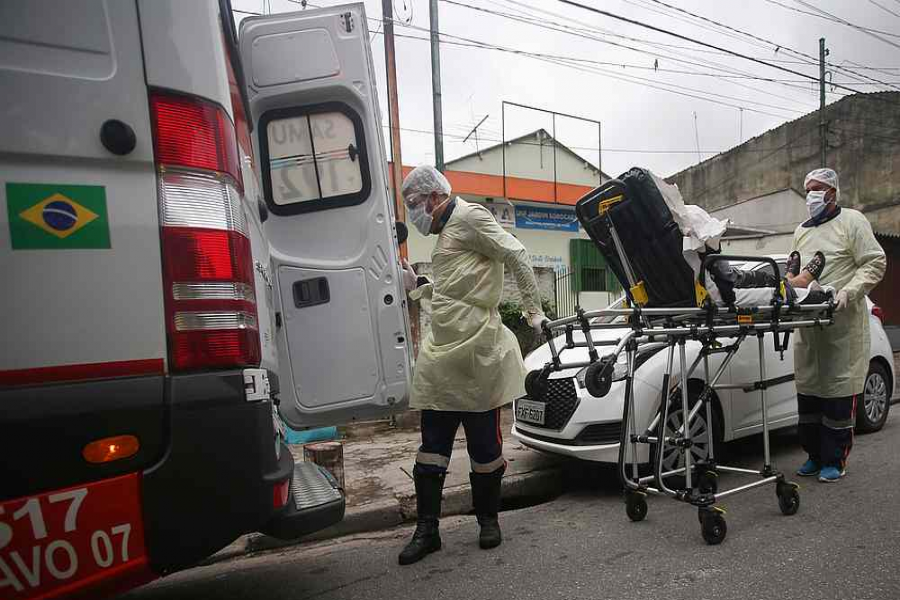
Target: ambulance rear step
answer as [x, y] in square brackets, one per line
[318, 502]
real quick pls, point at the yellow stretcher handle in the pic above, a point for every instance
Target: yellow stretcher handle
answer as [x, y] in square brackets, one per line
[605, 204]
[701, 293]
[639, 293]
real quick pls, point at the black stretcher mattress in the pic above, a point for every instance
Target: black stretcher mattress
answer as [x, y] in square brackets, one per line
[650, 237]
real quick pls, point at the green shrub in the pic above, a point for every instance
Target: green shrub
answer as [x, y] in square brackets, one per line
[511, 313]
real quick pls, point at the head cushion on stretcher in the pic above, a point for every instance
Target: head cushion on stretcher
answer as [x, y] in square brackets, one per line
[650, 237]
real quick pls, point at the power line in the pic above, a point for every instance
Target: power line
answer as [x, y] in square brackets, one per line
[574, 29]
[458, 139]
[767, 42]
[577, 31]
[665, 86]
[812, 60]
[699, 42]
[848, 23]
[777, 46]
[478, 44]
[828, 18]
[884, 8]
[668, 54]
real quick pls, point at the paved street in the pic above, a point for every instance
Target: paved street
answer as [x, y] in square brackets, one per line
[842, 544]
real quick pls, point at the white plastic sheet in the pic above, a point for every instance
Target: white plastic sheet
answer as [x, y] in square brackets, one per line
[700, 230]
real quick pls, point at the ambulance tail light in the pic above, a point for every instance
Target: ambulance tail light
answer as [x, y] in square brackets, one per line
[210, 304]
[878, 312]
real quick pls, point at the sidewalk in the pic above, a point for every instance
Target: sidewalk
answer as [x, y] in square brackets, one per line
[378, 462]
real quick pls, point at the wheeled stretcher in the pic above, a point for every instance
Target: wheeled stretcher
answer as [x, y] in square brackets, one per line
[671, 300]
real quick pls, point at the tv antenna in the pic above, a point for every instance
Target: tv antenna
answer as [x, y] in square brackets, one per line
[475, 132]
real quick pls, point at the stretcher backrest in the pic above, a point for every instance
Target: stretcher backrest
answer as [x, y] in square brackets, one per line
[650, 237]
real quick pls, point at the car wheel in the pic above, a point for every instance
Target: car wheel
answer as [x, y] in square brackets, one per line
[872, 412]
[673, 458]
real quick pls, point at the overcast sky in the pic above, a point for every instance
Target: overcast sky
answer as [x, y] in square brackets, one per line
[581, 71]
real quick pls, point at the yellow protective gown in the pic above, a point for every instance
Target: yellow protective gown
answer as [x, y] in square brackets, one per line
[832, 362]
[469, 361]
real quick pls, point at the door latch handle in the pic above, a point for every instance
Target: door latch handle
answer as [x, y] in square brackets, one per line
[311, 292]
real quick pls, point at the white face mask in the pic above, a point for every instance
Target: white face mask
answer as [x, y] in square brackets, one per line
[420, 219]
[815, 203]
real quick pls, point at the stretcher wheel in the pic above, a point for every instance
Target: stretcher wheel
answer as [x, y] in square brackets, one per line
[636, 506]
[598, 377]
[708, 482]
[713, 527]
[788, 498]
[535, 385]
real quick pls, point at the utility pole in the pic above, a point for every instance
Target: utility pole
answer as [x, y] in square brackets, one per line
[823, 127]
[436, 88]
[387, 16]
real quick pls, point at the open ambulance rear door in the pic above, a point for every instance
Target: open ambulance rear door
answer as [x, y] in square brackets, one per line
[341, 323]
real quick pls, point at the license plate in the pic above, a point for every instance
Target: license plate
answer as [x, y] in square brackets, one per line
[530, 411]
[60, 542]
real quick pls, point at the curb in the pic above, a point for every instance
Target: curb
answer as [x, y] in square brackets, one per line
[544, 484]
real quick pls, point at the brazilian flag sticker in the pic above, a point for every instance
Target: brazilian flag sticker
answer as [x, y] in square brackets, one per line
[56, 217]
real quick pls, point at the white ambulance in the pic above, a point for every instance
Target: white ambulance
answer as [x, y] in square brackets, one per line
[196, 228]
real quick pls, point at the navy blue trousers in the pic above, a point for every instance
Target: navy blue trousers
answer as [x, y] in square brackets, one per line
[484, 441]
[826, 428]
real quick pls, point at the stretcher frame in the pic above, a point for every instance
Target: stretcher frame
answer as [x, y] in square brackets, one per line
[707, 324]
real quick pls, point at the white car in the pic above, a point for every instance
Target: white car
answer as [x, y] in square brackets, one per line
[572, 422]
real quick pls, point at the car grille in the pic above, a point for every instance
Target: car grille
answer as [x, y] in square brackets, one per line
[561, 401]
[600, 433]
[592, 435]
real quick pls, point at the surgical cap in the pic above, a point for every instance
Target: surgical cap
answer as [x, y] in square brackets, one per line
[422, 181]
[827, 176]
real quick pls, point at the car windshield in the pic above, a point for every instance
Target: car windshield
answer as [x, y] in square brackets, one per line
[610, 319]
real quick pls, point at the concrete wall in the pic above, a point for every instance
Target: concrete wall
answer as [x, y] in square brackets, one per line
[531, 158]
[761, 246]
[863, 146]
[780, 212]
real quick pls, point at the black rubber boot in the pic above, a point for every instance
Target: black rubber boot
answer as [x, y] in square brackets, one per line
[486, 500]
[427, 537]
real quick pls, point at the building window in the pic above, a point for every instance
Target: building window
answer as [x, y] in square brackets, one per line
[593, 279]
[589, 268]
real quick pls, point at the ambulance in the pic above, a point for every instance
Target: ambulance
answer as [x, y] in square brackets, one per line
[196, 236]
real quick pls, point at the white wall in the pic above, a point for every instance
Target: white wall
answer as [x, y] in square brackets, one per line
[528, 159]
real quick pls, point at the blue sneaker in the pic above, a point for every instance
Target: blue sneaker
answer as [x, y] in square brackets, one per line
[831, 474]
[809, 469]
